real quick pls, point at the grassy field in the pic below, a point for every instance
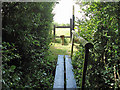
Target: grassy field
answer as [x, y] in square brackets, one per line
[57, 48]
[62, 31]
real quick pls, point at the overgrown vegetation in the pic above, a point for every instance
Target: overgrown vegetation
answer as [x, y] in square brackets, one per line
[102, 29]
[26, 60]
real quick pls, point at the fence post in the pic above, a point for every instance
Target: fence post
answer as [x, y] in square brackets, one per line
[72, 34]
[87, 47]
[54, 32]
[70, 30]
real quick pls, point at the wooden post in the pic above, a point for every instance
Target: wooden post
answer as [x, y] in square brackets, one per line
[54, 32]
[87, 47]
[72, 34]
[71, 30]
[62, 38]
[72, 46]
[73, 18]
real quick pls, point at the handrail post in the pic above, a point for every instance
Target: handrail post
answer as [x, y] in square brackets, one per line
[87, 47]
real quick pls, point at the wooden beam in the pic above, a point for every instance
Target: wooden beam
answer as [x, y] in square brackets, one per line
[70, 80]
[59, 74]
[62, 27]
[80, 39]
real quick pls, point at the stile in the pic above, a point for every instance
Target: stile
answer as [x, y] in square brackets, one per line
[59, 74]
[70, 80]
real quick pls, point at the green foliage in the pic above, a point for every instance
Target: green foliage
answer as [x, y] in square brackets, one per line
[10, 58]
[102, 29]
[58, 40]
[26, 37]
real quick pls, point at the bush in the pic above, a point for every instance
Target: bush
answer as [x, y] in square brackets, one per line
[102, 29]
[26, 38]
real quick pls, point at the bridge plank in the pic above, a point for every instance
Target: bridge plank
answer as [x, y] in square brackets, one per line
[70, 80]
[59, 74]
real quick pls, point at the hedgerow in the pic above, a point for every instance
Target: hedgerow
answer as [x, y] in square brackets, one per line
[25, 40]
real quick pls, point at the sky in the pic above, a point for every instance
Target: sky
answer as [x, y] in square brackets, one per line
[63, 11]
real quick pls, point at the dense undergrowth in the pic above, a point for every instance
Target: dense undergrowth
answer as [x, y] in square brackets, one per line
[26, 61]
[102, 29]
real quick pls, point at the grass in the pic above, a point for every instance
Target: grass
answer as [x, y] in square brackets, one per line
[62, 31]
[57, 48]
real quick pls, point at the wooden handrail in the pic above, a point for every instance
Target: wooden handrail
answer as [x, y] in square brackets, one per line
[87, 46]
[81, 40]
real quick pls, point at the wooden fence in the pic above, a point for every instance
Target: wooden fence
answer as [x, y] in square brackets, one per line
[64, 27]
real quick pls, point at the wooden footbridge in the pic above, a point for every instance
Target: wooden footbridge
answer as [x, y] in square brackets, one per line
[64, 75]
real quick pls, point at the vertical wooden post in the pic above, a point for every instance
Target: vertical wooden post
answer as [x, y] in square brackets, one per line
[54, 32]
[85, 67]
[87, 47]
[73, 18]
[72, 34]
[71, 29]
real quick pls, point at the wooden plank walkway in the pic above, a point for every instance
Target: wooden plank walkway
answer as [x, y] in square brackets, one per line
[59, 74]
[70, 80]
[67, 75]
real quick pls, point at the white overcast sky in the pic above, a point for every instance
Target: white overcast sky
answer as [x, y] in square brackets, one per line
[63, 11]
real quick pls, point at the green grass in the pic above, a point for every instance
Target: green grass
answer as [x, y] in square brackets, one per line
[62, 31]
[57, 48]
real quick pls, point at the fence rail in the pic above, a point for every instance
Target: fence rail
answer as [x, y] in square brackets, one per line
[62, 26]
